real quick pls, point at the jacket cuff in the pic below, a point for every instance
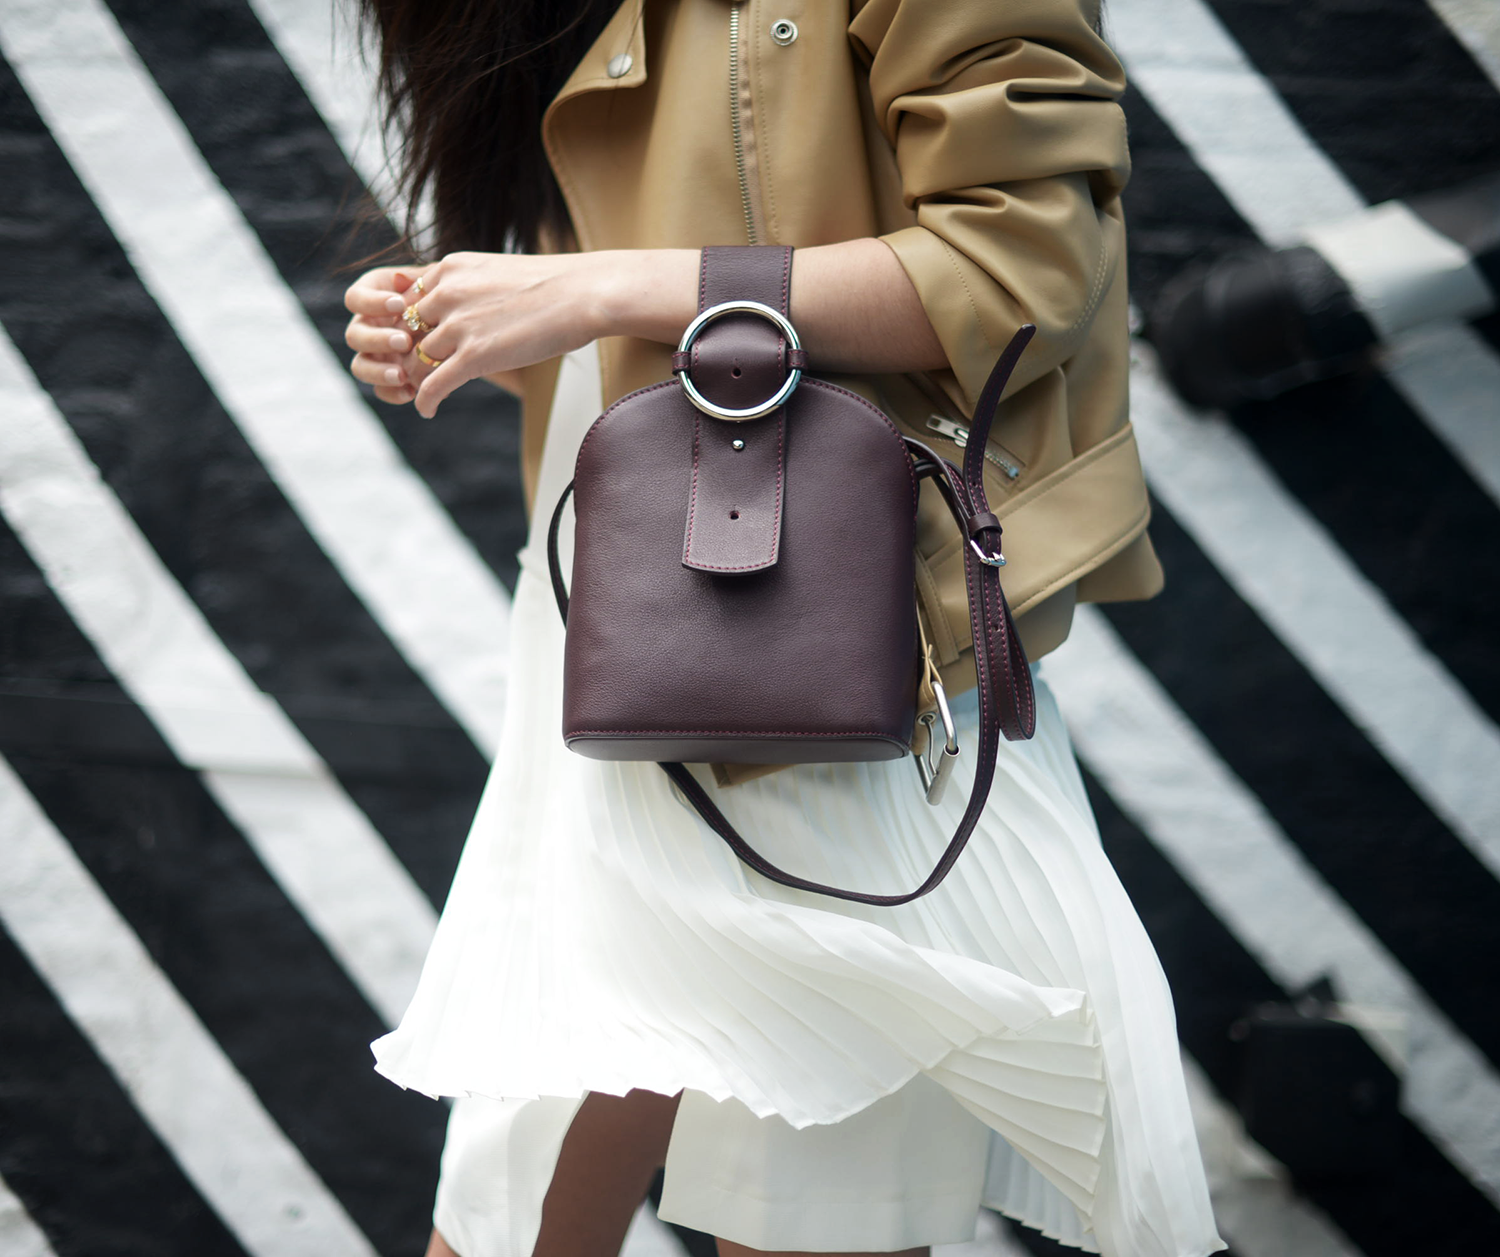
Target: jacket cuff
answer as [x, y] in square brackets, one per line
[937, 273]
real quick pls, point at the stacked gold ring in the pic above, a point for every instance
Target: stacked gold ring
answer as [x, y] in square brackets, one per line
[413, 320]
[428, 358]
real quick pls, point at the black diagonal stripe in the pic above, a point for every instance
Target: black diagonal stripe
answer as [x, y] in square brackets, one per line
[1398, 503]
[210, 510]
[1385, 90]
[1437, 122]
[220, 928]
[1214, 981]
[254, 124]
[90, 1171]
[1175, 213]
[1352, 815]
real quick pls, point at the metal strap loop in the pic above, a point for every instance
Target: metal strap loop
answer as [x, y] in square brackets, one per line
[714, 313]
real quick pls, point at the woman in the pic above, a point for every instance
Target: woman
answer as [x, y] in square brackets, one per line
[611, 989]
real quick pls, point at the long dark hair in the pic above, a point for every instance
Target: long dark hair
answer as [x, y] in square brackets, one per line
[463, 86]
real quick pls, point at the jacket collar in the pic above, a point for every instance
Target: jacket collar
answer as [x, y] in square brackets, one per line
[624, 36]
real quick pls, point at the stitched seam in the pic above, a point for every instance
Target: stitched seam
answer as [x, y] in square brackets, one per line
[761, 150]
[964, 284]
[1079, 464]
[693, 493]
[594, 427]
[1129, 533]
[885, 419]
[1096, 290]
[776, 516]
[995, 627]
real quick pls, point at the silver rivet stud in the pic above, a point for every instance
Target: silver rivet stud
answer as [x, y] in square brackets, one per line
[784, 31]
[737, 444]
[620, 66]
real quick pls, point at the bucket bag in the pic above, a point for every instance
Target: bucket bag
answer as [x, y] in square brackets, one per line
[743, 582]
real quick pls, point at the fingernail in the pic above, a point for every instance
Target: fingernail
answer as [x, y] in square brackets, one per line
[395, 304]
[399, 341]
[392, 376]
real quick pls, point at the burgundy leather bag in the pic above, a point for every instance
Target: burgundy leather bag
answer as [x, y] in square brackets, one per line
[743, 586]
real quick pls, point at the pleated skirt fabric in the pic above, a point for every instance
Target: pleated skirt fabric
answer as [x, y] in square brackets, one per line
[853, 1078]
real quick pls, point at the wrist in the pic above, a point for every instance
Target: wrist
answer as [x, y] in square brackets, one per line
[647, 293]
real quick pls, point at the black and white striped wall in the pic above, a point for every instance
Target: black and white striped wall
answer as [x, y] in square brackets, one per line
[253, 628]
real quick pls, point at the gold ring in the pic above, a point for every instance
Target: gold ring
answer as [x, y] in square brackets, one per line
[415, 321]
[428, 358]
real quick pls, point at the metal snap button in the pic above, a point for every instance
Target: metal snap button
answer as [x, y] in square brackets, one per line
[620, 66]
[784, 31]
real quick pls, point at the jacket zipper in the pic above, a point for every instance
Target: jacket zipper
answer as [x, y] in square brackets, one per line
[955, 432]
[734, 122]
[959, 435]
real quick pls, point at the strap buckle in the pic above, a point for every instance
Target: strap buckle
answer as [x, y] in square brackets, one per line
[935, 775]
[991, 560]
[713, 313]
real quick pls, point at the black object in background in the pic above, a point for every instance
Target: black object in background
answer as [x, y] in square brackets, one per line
[1313, 1093]
[1256, 322]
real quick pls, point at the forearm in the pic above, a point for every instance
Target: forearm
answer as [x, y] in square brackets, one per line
[852, 304]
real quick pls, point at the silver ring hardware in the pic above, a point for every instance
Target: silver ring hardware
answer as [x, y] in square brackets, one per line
[989, 560]
[935, 776]
[784, 31]
[713, 314]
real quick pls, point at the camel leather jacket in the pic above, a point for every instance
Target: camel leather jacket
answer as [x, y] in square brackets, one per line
[984, 142]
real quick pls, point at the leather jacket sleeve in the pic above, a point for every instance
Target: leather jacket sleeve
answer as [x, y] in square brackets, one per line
[1005, 123]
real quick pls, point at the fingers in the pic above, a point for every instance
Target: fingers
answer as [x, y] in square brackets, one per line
[365, 337]
[385, 345]
[433, 391]
[392, 382]
[383, 371]
[434, 380]
[396, 396]
[374, 293]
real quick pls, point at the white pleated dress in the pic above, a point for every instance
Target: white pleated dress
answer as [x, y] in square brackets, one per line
[854, 1078]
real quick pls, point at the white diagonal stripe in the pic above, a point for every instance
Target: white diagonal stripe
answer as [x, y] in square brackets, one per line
[1402, 270]
[319, 847]
[1280, 560]
[1238, 129]
[1161, 770]
[299, 409]
[176, 1075]
[19, 1235]
[1476, 25]
[320, 42]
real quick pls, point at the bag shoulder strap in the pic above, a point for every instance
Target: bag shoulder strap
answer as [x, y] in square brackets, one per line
[1007, 703]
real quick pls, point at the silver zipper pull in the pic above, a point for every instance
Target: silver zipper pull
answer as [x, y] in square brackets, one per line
[959, 435]
[955, 432]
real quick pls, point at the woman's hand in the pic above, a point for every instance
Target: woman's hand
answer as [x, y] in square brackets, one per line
[485, 314]
[376, 334]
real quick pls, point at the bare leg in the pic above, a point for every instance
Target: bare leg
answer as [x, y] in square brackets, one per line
[728, 1249]
[613, 1147]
